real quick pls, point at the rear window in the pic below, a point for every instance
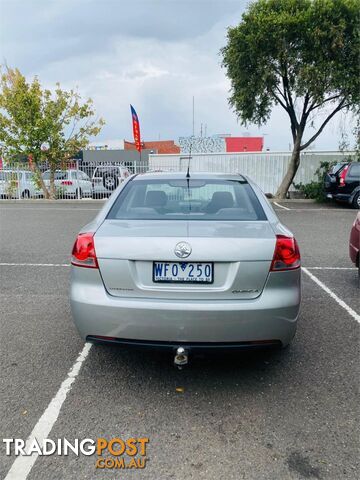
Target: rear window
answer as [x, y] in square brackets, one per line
[195, 199]
[355, 169]
[106, 170]
[59, 175]
[335, 168]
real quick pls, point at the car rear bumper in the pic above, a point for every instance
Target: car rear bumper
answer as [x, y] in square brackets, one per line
[271, 317]
[340, 197]
[199, 347]
[354, 254]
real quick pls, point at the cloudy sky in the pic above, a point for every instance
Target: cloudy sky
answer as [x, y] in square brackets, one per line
[155, 54]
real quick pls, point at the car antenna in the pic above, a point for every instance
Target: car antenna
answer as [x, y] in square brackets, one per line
[188, 168]
[188, 174]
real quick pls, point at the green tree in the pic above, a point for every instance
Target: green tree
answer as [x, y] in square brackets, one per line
[31, 117]
[300, 54]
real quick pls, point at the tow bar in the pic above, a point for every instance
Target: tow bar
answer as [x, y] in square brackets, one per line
[181, 358]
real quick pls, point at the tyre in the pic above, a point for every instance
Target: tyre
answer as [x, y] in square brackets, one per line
[25, 194]
[356, 201]
[110, 181]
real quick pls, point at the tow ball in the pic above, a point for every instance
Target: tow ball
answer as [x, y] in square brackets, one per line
[181, 358]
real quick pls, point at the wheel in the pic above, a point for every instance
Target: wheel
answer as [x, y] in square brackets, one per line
[25, 194]
[356, 201]
[78, 193]
[110, 181]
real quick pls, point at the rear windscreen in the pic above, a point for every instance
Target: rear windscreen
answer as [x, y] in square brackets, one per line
[58, 175]
[335, 168]
[183, 199]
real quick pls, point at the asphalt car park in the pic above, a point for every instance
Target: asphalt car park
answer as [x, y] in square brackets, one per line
[289, 414]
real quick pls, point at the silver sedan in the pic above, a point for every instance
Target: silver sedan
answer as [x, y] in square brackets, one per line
[184, 263]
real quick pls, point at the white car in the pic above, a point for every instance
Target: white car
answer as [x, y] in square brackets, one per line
[106, 178]
[18, 184]
[70, 183]
[185, 264]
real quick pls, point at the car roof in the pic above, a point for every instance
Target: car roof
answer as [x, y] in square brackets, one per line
[194, 175]
[110, 166]
[67, 170]
[15, 171]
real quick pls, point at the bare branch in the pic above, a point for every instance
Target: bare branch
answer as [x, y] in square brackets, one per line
[279, 100]
[314, 106]
[326, 121]
[287, 93]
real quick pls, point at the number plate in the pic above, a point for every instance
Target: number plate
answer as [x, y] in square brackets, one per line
[183, 272]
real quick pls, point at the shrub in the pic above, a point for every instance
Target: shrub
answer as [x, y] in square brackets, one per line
[315, 189]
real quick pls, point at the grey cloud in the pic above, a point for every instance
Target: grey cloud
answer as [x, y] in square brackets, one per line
[55, 30]
[155, 54]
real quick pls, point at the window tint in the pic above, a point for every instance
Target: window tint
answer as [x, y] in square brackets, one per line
[196, 199]
[354, 170]
[105, 170]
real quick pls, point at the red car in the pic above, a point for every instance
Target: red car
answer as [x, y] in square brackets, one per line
[354, 243]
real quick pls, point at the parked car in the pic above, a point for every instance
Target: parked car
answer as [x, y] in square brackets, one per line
[354, 244]
[70, 183]
[342, 183]
[186, 263]
[106, 178]
[18, 184]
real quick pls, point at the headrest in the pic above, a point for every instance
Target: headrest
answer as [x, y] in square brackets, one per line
[155, 198]
[222, 200]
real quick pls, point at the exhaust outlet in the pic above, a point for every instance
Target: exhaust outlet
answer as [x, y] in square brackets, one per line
[181, 357]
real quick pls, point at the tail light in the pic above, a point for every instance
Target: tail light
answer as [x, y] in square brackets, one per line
[66, 182]
[342, 176]
[286, 254]
[83, 253]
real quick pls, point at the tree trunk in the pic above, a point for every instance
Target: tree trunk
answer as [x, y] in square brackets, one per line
[52, 183]
[35, 169]
[43, 186]
[291, 172]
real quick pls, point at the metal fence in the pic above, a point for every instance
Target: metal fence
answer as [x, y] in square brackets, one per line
[267, 169]
[81, 180]
[74, 180]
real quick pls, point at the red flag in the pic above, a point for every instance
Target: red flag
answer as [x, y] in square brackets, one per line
[136, 129]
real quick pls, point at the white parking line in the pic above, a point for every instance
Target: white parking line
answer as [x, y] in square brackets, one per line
[52, 208]
[22, 465]
[326, 289]
[3, 264]
[320, 209]
[281, 206]
[331, 268]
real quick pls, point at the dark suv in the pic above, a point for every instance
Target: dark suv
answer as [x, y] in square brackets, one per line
[342, 183]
